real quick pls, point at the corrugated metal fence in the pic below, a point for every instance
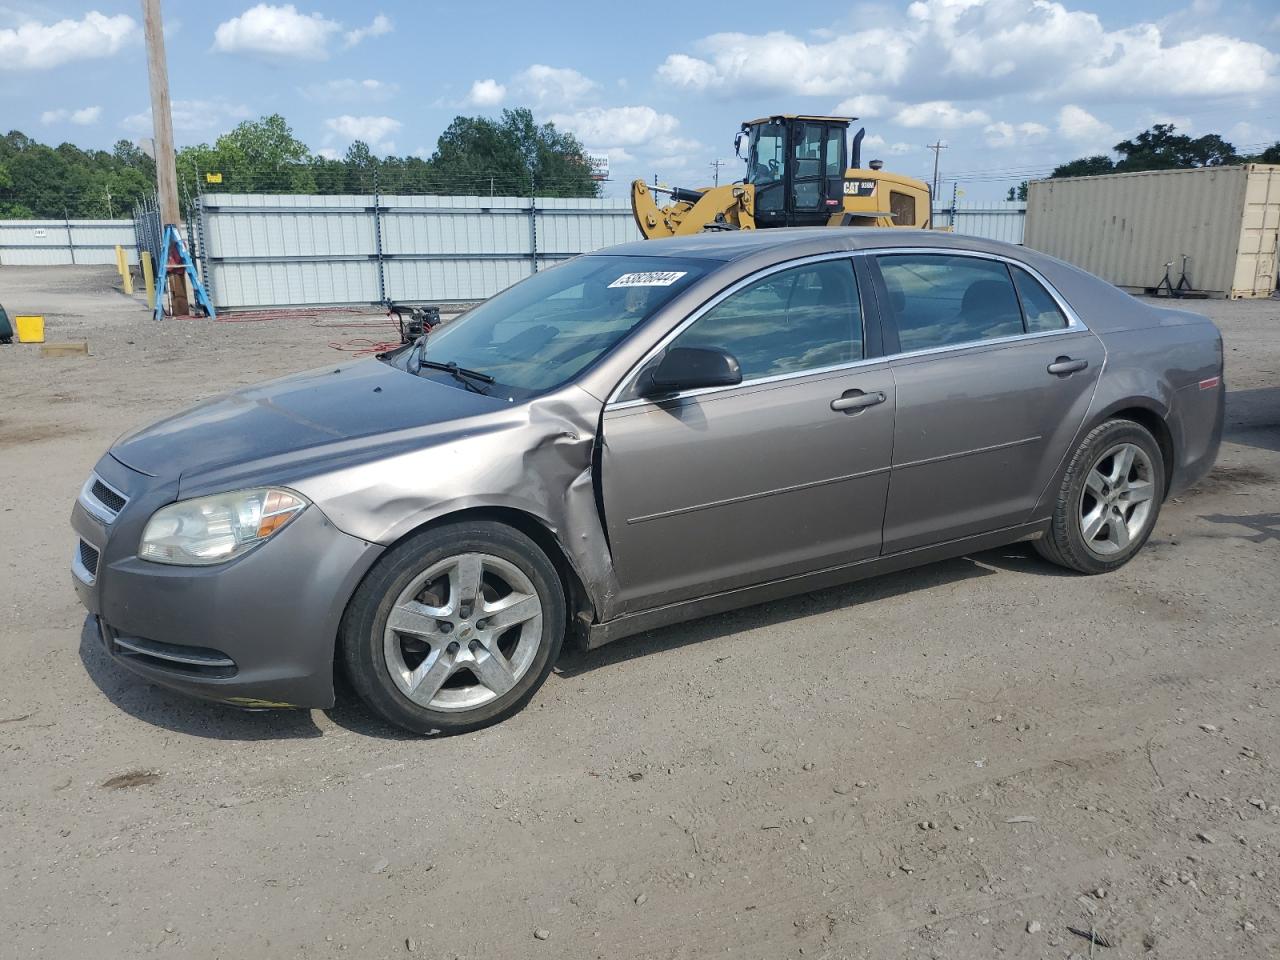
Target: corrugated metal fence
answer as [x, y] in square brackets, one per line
[993, 220]
[57, 242]
[259, 250]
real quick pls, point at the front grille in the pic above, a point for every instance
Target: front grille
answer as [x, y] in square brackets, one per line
[89, 558]
[107, 497]
[101, 501]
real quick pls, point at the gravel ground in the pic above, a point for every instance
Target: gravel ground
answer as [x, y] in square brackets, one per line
[962, 761]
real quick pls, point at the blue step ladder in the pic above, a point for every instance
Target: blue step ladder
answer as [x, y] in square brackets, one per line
[172, 241]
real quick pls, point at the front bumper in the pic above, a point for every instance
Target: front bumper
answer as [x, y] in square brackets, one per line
[256, 631]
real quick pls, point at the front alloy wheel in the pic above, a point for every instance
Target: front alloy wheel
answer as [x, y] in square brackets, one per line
[455, 628]
[463, 632]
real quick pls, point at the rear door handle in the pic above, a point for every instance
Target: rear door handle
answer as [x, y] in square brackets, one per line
[1065, 365]
[856, 400]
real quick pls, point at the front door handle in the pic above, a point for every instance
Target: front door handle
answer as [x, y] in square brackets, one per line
[856, 400]
[1064, 366]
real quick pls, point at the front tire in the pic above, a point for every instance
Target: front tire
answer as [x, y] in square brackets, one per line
[455, 628]
[1109, 500]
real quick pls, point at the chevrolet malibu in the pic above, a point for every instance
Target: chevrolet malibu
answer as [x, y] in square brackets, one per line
[651, 433]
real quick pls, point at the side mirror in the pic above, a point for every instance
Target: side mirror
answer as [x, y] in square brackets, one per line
[689, 368]
[737, 145]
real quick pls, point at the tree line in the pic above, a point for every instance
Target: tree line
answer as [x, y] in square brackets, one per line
[1160, 148]
[509, 155]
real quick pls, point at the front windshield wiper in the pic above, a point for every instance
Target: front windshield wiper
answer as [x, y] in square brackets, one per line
[464, 376]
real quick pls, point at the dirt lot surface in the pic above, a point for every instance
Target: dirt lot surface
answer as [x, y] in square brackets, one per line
[963, 761]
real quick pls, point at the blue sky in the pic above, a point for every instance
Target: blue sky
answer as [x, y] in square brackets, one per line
[1011, 86]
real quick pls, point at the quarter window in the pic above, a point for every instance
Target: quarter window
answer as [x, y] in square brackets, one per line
[800, 319]
[1040, 309]
[938, 300]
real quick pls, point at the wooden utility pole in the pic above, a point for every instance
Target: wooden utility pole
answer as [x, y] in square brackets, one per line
[937, 149]
[716, 165]
[162, 121]
[161, 113]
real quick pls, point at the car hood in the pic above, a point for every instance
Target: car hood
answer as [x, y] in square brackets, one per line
[314, 410]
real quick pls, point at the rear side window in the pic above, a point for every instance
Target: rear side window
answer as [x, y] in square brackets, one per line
[1041, 310]
[938, 300]
[800, 319]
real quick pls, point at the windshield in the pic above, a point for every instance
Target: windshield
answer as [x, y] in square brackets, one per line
[545, 330]
[767, 154]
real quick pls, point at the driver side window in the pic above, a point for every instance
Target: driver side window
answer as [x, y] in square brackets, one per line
[805, 318]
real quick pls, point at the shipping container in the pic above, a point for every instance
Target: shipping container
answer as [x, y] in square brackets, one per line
[1219, 224]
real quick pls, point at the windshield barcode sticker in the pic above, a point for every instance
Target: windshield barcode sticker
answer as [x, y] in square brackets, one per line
[657, 278]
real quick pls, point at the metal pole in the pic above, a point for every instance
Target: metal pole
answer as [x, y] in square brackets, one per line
[161, 115]
[377, 237]
[71, 243]
[533, 225]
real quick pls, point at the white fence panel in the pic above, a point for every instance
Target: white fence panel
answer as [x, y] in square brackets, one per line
[992, 220]
[62, 242]
[264, 250]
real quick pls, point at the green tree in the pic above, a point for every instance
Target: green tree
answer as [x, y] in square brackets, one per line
[1019, 192]
[1269, 155]
[258, 156]
[1085, 167]
[1163, 148]
[511, 155]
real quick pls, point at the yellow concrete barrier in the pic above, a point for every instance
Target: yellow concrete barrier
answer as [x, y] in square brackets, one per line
[149, 278]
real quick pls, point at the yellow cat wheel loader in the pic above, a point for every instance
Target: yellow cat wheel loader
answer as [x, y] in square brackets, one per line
[801, 172]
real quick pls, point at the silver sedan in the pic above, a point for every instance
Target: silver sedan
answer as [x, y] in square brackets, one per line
[648, 434]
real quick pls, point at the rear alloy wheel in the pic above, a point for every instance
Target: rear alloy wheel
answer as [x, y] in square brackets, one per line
[454, 629]
[1109, 500]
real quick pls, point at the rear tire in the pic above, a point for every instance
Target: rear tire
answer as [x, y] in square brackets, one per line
[1109, 500]
[455, 628]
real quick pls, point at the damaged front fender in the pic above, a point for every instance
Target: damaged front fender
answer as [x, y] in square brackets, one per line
[537, 458]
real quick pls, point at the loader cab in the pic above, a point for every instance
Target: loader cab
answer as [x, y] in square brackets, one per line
[796, 165]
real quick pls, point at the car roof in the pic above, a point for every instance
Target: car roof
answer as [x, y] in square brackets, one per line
[789, 242]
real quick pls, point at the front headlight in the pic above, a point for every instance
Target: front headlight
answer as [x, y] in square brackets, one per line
[211, 530]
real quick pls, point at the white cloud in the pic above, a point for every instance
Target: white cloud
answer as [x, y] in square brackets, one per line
[1003, 134]
[623, 126]
[36, 46]
[193, 117]
[374, 131]
[1210, 65]
[351, 91]
[864, 105]
[378, 26]
[486, 93]
[972, 49]
[85, 116]
[874, 143]
[617, 155]
[553, 86]
[777, 62]
[329, 153]
[1078, 124]
[939, 114]
[277, 31]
